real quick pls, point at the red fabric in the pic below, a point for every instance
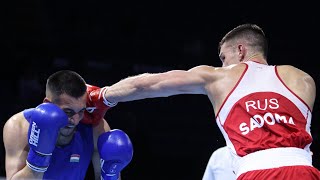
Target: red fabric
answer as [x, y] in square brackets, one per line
[94, 99]
[283, 173]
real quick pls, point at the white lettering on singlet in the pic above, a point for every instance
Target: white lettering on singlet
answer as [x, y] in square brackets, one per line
[258, 121]
[34, 135]
[268, 103]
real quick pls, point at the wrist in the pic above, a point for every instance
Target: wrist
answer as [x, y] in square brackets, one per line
[38, 162]
[105, 176]
[105, 100]
[109, 170]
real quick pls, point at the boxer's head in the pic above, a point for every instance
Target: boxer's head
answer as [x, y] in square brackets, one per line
[243, 43]
[67, 89]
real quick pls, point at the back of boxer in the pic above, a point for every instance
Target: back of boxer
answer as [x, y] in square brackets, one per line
[264, 112]
[47, 149]
[265, 123]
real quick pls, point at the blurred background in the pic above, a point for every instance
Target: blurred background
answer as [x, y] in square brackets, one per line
[106, 41]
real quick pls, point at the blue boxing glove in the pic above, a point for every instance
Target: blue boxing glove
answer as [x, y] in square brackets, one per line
[45, 122]
[116, 151]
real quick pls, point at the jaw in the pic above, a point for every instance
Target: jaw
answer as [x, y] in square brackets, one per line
[67, 131]
[65, 136]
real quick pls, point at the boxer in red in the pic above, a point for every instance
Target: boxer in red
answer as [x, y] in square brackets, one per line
[264, 111]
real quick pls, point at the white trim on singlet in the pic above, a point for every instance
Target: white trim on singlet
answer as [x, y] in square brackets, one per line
[252, 82]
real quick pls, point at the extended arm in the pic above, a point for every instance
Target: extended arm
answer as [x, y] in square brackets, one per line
[164, 84]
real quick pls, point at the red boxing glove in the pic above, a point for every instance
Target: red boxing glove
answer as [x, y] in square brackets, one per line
[97, 105]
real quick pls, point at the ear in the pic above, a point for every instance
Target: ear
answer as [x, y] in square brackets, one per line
[45, 100]
[242, 51]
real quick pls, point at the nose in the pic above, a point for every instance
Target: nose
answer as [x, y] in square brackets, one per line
[75, 119]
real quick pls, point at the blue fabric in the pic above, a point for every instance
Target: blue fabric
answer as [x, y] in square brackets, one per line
[72, 161]
[27, 114]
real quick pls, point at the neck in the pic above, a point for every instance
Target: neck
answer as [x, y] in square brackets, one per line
[257, 58]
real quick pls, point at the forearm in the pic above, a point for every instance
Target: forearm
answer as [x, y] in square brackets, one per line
[131, 88]
[152, 85]
[26, 173]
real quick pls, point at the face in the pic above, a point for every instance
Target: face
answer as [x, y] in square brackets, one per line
[74, 108]
[229, 54]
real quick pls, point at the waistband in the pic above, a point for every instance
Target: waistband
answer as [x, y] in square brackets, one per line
[272, 158]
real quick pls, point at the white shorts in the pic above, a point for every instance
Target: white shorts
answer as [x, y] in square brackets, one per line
[220, 165]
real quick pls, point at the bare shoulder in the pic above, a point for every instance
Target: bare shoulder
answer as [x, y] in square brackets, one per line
[300, 82]
[290, 68]
[15, 129]
[205, 70]
[15, 121]
[294, 73]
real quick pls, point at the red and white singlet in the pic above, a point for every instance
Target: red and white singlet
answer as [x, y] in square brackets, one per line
[262, 120]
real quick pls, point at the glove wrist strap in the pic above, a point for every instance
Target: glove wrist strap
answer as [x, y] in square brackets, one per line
[105, 101]
[37, 162]
[109, 170]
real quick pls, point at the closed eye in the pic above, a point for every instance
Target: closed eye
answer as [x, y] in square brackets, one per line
[70, 112]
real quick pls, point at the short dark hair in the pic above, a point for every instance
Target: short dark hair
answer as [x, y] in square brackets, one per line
[252, 33]
[66, 81]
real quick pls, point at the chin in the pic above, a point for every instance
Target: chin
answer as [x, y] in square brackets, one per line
[66, 131]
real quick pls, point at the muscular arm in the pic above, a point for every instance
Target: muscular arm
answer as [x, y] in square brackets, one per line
[164, 84]
[16, 149]
[102, 127]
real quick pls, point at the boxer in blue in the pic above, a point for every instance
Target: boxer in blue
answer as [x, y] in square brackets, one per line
[60, 137]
